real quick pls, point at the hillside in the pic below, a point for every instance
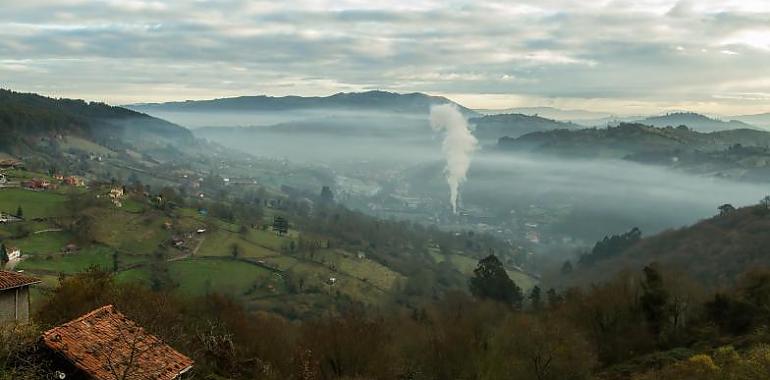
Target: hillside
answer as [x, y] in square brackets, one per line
[715, 251]
[573, 115]
[760, 120]
[632, 138]
[23, 116]
[694, 121]
[235, 251]
[493, 127]
[381, 101]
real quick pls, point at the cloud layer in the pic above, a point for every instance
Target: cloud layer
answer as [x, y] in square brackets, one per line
[622, 55]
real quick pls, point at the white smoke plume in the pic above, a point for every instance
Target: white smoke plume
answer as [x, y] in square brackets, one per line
[459, 145]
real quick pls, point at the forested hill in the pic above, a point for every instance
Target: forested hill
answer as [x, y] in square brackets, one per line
[23, 115]
[631, 138]
[693, 120]
[357, 101]
[715, 251]
[493, 127]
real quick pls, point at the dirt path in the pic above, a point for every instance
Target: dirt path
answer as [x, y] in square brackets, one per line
[198, 247]
[191, 254]
[49, 230]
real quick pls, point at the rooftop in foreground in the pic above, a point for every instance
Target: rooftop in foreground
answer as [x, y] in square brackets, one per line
[11, 280]
[106, 345]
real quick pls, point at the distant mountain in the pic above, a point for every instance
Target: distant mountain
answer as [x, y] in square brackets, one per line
[24, 115]
[493, 127]
[760, 120]
[365, 101]
[632, 139]
[694, 121]
[574, 115]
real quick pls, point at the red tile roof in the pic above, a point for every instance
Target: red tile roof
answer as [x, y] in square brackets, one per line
[104, 343]
[11, 280]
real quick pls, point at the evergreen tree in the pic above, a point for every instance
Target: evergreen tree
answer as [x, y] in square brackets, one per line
[115, 262]
[326, 194]
[654, 299]
[4, 254]
[535, 298]
[490, 281]
[19, 212]
[553, 298]
[281, 225]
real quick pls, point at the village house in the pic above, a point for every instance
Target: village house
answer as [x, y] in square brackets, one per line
[8, 218]
[70, 248]
[177, 241]
[37, 184]
[14, 296]
[116, 194]
[74, 181]
[14, 253]
[105, 344]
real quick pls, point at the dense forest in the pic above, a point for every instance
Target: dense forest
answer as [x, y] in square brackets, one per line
[24, 116]
[643, 325]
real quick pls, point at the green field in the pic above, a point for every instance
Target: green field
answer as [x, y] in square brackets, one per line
[134, 275]
[35, 204]
[364, 269]
[70, 263]
[201, 276]
[225, 276]
[127, 232]
[219, 243]
[45, 243]
[133, 206]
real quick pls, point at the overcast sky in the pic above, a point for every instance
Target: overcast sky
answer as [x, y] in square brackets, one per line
[623, 56]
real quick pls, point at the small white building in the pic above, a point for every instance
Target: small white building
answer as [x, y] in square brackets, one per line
[14, 253]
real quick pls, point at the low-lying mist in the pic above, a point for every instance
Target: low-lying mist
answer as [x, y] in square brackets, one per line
[597, 197]
[579, 199]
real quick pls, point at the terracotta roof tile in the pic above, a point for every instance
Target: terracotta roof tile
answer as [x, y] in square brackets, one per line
[10, 280]
[104, 342]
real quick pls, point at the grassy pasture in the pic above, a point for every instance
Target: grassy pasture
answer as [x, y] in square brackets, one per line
[201, 276]
[35, 204]
[127, 232]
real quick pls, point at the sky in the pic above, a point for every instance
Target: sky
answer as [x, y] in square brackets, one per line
[619, 56]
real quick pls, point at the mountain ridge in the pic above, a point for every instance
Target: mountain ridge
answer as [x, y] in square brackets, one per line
[693, 120]
[415, 102]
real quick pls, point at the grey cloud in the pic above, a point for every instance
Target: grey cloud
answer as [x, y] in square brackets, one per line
[668, 51]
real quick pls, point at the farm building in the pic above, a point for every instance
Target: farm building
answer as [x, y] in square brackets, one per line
[105, 344]
[74, 181]
[8, 218]
[14, 296]
[37, 184]
[116, 193]
[70, 248]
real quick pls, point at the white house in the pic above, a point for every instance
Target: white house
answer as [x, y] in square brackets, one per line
[14, 253]
[3, 179]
